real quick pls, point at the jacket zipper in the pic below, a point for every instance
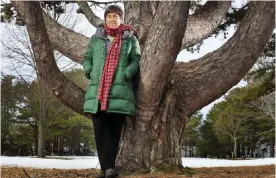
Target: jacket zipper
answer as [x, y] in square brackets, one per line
[102, 63]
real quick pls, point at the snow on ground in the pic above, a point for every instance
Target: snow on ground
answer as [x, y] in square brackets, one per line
[207, 162]
[82, 162]
[85, 162]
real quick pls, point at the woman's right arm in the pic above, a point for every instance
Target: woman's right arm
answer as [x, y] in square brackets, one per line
[88, 59]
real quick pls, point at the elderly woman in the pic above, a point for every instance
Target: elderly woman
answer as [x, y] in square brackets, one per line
[110, 62]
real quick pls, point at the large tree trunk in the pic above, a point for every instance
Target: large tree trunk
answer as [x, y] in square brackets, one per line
[145, 144]
[168, 92]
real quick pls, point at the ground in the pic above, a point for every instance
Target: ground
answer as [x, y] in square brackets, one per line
[218, 172]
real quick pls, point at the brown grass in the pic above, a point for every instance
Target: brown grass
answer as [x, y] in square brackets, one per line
[218, 172]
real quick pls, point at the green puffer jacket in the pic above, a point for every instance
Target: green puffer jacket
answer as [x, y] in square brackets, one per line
[121, 97]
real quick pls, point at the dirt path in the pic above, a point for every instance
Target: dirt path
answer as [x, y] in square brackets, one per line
[228, 172]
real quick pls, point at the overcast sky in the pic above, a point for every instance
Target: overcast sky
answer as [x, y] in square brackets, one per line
[84, 27]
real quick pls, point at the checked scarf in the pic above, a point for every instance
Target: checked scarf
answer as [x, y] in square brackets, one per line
[111, 63]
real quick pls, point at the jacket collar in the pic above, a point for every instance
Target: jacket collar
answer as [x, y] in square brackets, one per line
[100, 33]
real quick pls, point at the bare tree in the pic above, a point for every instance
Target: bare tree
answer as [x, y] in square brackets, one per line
[168, 92]
[18, 54]
[230, 124]
[268, 104]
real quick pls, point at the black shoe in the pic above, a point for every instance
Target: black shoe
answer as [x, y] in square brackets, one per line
[111, 173]
[100, 176]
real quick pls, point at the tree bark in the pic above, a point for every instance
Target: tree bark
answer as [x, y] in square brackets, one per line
[204, 22]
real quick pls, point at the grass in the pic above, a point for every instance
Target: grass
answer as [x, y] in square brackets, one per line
[218, 172]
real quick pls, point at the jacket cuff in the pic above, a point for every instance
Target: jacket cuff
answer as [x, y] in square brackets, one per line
[87, 74]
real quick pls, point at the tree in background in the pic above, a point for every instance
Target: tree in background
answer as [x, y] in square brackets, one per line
[8, 104]
[66, 132]
[209, 145]
[245, 125]
[191, 135]
[229, 123]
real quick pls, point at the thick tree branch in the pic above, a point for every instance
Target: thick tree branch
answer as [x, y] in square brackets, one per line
[206, 79]
[204, 21]
[64, 89]
[89, 14]
[71, 44]
[161, 49]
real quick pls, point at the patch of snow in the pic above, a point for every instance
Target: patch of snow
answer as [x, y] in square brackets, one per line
[207, 162]
[86, 162]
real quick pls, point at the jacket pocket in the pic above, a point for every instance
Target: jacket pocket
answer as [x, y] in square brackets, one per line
[119, 77]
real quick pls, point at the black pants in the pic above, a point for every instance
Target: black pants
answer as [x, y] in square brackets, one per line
[107, 130]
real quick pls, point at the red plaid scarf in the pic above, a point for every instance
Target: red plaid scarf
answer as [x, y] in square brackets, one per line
[111, 63]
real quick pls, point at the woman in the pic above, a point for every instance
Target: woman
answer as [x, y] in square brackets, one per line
[111, 60]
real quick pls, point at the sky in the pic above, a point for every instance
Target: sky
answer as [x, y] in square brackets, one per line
[84, 27]
[86, 162]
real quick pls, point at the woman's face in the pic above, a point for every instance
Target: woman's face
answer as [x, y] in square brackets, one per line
[113, 20]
